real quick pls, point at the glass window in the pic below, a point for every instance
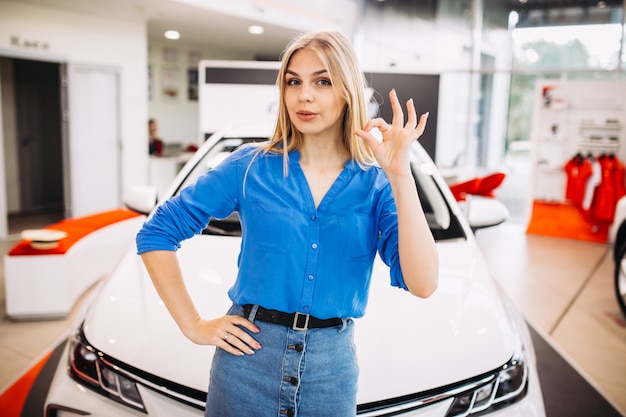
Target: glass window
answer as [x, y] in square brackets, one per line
[567, 47]
[581, 52]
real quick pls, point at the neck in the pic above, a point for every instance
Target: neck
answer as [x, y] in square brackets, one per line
[323, 154]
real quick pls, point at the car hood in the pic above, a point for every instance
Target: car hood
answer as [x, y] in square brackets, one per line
[404, 344]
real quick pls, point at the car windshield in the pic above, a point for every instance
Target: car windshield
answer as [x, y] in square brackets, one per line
[442, 221]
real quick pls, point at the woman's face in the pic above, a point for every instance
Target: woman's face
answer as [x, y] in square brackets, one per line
[310, 98]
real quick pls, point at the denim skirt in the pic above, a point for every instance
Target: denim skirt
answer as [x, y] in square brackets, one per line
[308, 373]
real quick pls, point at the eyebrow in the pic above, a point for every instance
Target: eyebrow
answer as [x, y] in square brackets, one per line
[318, 72]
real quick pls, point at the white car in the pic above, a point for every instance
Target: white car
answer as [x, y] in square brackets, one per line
[617, 236]
[463, 351]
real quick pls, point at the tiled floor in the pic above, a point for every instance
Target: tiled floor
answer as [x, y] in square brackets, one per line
[22, 343]
[564, 288]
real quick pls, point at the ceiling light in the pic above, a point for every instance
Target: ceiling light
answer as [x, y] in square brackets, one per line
[601, 4]
[172, 34]
[256, 30]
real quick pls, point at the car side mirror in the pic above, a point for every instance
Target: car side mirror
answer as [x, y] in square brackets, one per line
[485, 212]
[142, 199]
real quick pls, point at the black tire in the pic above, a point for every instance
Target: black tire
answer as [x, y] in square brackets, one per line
[620, 278]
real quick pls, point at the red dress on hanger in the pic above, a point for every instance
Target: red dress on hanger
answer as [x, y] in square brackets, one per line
[578, 170]
[610, 190]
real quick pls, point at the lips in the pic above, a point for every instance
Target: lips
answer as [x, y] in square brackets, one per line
[306, 115]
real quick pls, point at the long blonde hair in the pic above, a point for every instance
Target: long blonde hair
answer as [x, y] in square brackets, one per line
[339, 58]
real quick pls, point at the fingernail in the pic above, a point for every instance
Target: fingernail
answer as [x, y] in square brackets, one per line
[250, 352]
[257, 346]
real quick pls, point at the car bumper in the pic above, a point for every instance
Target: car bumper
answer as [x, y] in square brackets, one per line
[67, 398]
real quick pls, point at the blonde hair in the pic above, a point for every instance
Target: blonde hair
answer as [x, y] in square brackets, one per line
[339, 58]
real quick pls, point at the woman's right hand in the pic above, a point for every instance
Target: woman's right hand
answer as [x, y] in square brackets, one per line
[227, 333]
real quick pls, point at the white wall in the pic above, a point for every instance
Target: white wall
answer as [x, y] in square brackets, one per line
[389, 39]
[56, 35]
[177, 117]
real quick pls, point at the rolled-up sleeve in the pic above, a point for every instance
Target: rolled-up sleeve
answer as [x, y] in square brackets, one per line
[213, 195]
[388, 238]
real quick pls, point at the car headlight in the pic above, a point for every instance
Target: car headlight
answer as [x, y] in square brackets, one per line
[88, 367]
[508, 386]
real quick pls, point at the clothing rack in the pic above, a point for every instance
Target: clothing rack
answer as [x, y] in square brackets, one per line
[597, 147]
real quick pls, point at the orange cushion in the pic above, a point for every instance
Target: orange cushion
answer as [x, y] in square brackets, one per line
[489, 183]
[76, 229]
[484, 186]
[566, 221]
[461, 189]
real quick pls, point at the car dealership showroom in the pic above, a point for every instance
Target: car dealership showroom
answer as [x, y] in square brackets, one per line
[111, 108]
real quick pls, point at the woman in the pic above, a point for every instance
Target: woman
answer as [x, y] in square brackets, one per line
[316, 203]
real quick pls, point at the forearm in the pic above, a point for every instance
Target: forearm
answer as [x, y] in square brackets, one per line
[164, 270]
[419, 259]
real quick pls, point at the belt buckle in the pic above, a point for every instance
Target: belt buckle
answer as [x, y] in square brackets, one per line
[296, 319]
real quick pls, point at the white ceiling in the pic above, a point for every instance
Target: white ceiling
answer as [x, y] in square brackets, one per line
[200, 22]
[223, 23]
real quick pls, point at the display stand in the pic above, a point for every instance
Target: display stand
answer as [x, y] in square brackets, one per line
[46, 283]
[582, 119]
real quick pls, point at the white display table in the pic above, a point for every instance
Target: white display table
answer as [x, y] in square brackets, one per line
[47, 283]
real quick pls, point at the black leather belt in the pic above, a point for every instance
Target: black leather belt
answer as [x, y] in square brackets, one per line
[296, 321]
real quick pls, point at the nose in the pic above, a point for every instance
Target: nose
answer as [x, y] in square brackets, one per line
[306, 92]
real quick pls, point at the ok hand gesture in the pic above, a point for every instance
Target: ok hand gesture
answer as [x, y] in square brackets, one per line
[393, 153]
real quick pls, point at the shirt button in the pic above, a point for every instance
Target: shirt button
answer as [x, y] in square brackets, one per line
[314, 246]
[314, 217]
[311, 277]
[306, 308]
[292, 380]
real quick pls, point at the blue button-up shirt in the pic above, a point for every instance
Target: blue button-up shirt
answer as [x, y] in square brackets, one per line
[294, 256]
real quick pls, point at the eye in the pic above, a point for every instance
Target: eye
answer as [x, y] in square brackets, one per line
[292, 81]
[324, 82]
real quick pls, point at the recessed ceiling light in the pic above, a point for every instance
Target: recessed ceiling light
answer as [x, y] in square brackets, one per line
[601, 4]
[256, 30]
[172, 34]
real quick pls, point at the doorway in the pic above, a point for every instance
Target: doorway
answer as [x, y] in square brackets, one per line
[57, 166]
[33, 143]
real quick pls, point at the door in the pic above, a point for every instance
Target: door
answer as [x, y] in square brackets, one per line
[93, 146]
[39, 146]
